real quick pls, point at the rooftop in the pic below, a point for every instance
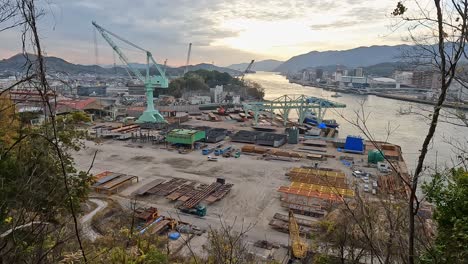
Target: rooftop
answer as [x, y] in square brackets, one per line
[77, 104]
[184, 131]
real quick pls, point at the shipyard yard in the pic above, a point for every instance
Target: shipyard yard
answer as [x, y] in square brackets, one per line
[242, 165]
[152, 154]
[263, 182]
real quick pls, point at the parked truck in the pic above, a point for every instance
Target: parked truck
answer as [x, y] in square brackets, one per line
[221, 151]
[199, 210]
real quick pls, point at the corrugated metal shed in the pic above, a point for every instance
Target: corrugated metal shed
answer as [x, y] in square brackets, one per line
[185, 136]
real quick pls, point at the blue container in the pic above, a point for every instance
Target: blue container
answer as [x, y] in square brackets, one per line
[174, 235]
[207, 151]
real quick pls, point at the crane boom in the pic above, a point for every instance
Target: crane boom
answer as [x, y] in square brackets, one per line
[150, 115]
[122, 57]
[188, 58]
[299, 247]
[247, 69]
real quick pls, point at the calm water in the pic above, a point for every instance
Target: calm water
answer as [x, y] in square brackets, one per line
[408, 130]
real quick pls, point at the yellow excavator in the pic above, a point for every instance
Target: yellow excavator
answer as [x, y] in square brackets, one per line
[299, 247]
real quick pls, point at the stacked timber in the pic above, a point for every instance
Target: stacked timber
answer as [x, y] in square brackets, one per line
[271, 151]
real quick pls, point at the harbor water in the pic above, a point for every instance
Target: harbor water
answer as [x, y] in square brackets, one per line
[383, 115]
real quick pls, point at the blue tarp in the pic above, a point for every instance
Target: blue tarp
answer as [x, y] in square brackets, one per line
[322, 126]
[310, 121]
[354, 144]
[174, 235]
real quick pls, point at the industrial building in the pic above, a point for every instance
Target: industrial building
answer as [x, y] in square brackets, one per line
[403, 77]
[244, 136]
[215, 135]
[425, 79]
[91, 90]
[185, 136]
[271, 139]
[358, 72]
[260, 138]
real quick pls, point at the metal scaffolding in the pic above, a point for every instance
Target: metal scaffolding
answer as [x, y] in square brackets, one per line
[302, 104]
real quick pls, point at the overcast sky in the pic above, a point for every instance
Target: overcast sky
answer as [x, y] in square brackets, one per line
[223, 32]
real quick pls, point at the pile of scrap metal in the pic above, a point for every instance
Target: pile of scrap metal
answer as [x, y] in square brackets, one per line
[245, 136]
[280, 222]
[266, 244]
[271, 153]
[192, 194]
[190, 229]
[312, 190]
[147, 215]
[110, 182]
[260, 138]
[271, 139]
[150, 221]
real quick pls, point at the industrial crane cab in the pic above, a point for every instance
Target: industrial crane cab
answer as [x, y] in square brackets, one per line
[159, 82]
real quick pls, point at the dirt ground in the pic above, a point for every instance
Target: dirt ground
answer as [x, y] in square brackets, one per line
[251, 203]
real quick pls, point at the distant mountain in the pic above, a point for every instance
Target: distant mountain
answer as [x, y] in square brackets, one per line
[358, 57]
[207, 66]
[386, 69]
[18, 63]
[264, 65]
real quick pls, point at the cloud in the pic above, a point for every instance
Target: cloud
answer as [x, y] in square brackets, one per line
[88, 4]
[166, 27]
[357, 16]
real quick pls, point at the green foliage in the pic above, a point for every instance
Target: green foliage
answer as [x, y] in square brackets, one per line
[152, 255]
[213, 78]
[178, 86]
[255, 90]
[321, 259]
[130, 249]
[8, 122]
[32, 184]
[449, 194]
[202, 80]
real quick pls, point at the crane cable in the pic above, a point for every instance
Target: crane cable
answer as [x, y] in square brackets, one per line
[96, 51]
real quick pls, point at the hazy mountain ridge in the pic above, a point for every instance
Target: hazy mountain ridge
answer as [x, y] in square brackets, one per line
[18, 63]
[357, 57]
[264, 65]
[208, 66]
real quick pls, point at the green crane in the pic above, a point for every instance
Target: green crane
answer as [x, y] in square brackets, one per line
[150, 115]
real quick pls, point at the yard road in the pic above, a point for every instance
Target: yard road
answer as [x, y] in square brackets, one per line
[85, 221]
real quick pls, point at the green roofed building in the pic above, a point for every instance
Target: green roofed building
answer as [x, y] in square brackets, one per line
[185, 136]
[375, 156]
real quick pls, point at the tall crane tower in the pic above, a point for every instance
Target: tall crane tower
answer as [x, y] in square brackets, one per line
[188, 58]
[150, 115]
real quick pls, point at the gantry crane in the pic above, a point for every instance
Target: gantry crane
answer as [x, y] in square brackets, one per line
[302, 104]
[298, 246]
[150, 115]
